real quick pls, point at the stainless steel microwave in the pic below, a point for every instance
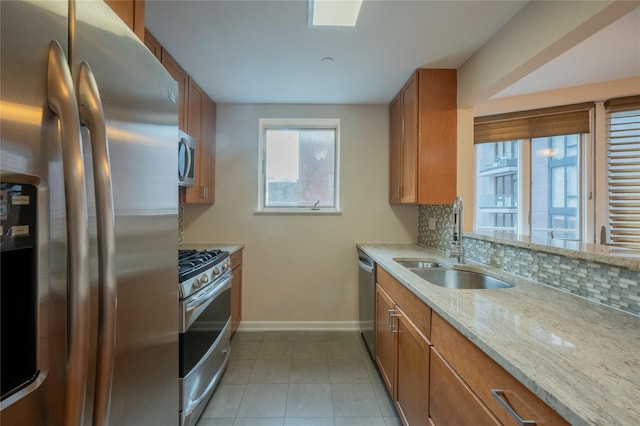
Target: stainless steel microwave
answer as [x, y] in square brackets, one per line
[186, 159]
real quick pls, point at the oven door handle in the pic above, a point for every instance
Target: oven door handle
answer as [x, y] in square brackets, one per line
[194, 307]
[194, 404]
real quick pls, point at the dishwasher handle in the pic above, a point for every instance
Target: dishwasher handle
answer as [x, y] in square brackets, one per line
[365, 263]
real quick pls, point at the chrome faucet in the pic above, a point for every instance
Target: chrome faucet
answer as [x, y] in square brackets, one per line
[456, 248]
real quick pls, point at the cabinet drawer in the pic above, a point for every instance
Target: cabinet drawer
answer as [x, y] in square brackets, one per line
[483, 375]
[236, 259]
[409, 303]
[452, 402]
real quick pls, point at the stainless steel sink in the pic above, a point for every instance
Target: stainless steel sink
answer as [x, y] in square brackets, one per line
[455, 278]
[418, 263]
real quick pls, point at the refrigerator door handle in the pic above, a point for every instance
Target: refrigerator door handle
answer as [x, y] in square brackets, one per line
[92, 115]
[61, 100]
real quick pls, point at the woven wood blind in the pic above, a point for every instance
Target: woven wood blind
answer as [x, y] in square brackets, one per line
[623, 171]
[564, 120]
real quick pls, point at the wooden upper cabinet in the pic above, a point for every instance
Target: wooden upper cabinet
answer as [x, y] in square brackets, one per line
[208, 151]
[395, 149]
[197, 117]
[423, 139]
[131, 12]
[201, 125]
[182, 78]
[153, 45]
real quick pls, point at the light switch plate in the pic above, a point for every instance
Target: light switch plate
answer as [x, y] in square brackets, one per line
[432, 224]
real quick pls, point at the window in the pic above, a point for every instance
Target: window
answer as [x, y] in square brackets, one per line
[299, 165]
[497, 186]
[532, 185]
[623, 172]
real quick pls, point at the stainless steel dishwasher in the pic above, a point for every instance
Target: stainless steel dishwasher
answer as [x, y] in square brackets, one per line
[367, 300]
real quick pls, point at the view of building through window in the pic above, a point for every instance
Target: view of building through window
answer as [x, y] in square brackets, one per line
[497, 186]
[299, 168]
[554, 190]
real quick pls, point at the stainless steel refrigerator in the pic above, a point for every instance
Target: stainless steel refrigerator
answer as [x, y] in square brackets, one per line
[89, 220]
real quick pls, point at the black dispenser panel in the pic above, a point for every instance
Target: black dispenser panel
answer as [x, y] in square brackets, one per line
[18, 286]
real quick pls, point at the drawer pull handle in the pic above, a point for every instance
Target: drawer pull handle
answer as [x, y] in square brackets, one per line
[389, 314]
[500, 396]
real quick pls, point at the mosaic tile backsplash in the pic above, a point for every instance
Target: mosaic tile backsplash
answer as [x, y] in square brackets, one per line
[610, 285]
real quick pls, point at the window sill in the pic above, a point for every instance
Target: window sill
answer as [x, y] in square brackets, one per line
[301, 212]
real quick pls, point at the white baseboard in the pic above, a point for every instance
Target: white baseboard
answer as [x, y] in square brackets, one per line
[298, 326]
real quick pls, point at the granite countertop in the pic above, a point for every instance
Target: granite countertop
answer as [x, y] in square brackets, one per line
[230, 247]
[581, 358]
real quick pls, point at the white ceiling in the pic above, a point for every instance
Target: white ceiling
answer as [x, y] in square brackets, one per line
[613, 53]
[263, 51]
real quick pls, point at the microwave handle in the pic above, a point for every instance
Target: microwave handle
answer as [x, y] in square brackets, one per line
[189, 158]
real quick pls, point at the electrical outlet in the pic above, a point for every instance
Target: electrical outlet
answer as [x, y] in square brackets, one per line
[432, 224]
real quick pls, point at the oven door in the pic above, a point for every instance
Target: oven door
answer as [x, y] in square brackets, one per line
[205, 333]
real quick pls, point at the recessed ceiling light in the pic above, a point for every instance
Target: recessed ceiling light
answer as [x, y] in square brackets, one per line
[334, 13]
[327, 60]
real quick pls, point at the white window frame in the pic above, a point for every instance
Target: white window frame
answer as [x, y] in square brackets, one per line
[296, 123]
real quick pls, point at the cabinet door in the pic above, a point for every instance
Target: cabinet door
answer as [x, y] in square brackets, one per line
[409, 187]
[412, 388]
[131, 12]
[153, 45]
[236, 290]
[182, 78]
[451, 401]
[208, 151]
[482, 375]
[385, 342]
[201, 125]
[395, 149]
[437, 142]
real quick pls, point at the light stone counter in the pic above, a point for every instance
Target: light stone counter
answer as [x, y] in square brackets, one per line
[581, 358]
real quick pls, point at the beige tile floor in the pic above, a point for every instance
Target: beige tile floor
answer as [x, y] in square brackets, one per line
[299, 379]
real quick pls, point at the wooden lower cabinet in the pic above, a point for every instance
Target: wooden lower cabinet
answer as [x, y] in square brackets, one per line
[236, 290]
[435, 375]
[483, 375]
[385, 340]
[452, 403]
[412, 387]
[402, 350]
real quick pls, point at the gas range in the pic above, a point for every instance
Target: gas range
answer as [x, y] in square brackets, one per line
[198, 268]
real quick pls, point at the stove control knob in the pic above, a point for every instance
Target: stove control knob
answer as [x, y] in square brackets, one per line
[196, 283]
[225, 266]
[204, 279]
[216, 271]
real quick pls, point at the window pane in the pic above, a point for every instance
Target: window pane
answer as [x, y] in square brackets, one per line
[497, 186]
[557, 147]
[300, 168]
[555, 187]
